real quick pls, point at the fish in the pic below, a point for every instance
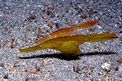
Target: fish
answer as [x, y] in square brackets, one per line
[69, 45]
[68, 31]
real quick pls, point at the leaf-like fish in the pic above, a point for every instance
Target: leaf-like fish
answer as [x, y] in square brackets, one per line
[69, 45]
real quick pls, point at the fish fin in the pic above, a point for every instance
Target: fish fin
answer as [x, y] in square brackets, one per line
[86, 24]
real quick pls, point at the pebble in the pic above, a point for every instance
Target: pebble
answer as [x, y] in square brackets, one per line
[120, 69]
[1, 65]
[106, 66]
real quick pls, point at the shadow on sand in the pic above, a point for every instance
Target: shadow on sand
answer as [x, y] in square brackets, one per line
[68, 58]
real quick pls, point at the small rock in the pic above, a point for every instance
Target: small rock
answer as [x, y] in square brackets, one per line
[50, 24]
[106, 66]
[32, 17]
[83, 16]
[119, 61]
[1, 65]
[5, 76]
[120, 69]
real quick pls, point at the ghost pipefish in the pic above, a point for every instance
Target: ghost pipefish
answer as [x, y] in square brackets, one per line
[68, 31]
[69, 45]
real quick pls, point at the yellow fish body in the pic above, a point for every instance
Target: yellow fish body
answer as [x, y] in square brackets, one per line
[69, 45]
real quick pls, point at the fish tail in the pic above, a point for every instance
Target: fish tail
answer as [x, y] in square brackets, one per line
[101, 37]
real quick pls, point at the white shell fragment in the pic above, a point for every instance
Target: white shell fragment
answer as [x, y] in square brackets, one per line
[106, 66]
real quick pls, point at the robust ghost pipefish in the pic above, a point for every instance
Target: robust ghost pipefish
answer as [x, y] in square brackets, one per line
[68, 31]
[69, 45]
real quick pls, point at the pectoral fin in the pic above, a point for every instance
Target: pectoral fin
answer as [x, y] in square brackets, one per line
[69, 48]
